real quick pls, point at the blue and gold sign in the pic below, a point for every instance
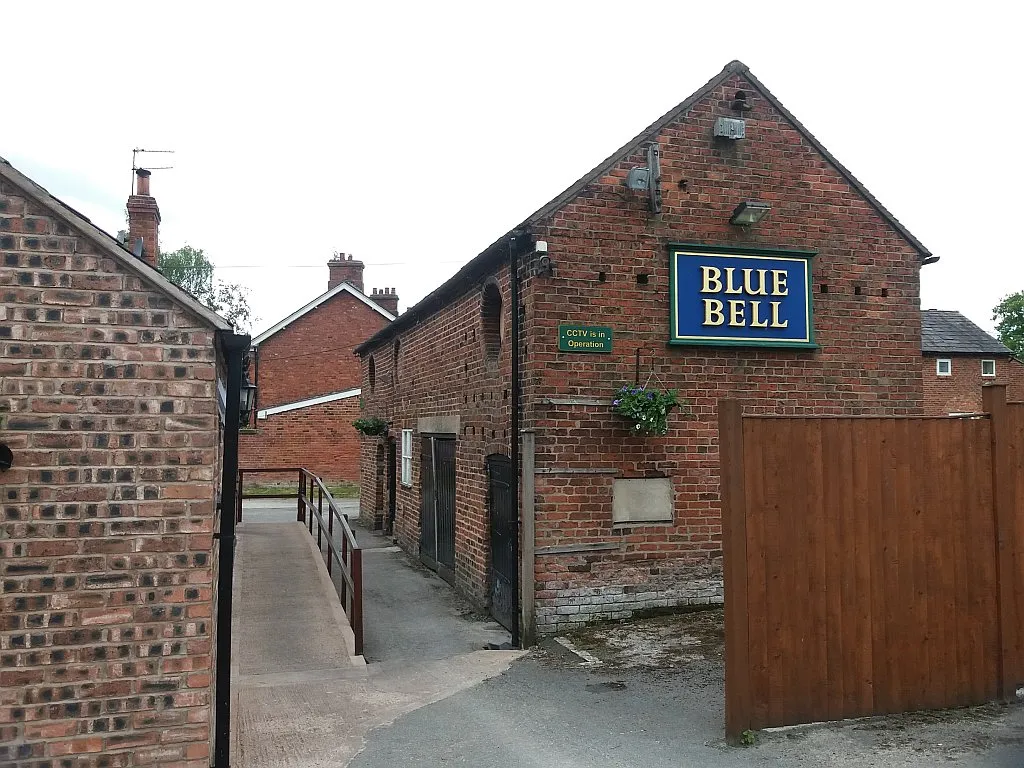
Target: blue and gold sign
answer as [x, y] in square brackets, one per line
[741, 297]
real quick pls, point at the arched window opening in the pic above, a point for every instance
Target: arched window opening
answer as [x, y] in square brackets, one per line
[490, 323]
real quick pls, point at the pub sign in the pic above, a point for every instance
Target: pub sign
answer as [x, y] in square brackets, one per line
[741, 297]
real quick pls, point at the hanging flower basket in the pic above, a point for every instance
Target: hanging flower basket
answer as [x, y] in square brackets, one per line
[371, 427]
[647, 408]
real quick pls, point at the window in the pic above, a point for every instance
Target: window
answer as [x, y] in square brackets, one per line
[988, 367]
[943, 367]
[406, 457]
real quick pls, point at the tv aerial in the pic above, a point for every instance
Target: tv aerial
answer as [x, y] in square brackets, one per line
[135, 162]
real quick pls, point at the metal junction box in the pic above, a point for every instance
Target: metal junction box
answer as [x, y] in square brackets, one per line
[730, 128]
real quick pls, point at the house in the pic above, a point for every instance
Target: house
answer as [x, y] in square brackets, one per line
[658, 269]
[114, 388]
[308, 378]
[958, 358]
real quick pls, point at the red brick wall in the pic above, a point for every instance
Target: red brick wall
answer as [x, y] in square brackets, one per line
[315, 354]
[866, 322]
[108, 400]
[428, 384]
[960, 392]
[320, 438]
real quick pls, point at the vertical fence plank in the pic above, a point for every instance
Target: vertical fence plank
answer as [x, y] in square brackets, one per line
[1014, 656]
[813, 522]
[861, 508]
[758, 593]
[771, 435]
[876, 482]
[994, 400]
[737, 662]
[839, 573]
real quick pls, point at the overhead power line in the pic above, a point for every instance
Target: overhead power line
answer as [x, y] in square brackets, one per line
[318, 266]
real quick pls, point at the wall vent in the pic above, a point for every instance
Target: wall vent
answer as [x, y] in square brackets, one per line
[730, 128]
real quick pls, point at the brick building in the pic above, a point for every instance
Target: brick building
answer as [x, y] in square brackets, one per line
[111, 386]
[958, 359]
[626, 280]
[308, 378]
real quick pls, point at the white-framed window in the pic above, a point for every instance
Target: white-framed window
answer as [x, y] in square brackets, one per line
[406, 457]
[988, 367]
[943, 367]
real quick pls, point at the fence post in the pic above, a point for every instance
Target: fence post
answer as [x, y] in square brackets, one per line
[346, 568]
[330, 537]
[301, 512]
[738, 699]
[357, 599]
[1003, 509]
[320, 517]
[238, 496]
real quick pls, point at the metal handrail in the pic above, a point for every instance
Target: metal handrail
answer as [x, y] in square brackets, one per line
[310, 505]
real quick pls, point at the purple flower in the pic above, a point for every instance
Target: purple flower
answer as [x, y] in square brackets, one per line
[650, 395]
[616, 402]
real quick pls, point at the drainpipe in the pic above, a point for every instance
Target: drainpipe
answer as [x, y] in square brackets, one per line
[514, 247]
[234, 347]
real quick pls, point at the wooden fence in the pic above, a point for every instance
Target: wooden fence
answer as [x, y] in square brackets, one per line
[872, 565]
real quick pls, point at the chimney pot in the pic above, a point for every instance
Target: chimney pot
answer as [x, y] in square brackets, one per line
[142, 181]
[144, 218]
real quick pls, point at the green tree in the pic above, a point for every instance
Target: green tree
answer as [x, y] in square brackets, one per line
[1009, 317]
[188, 268]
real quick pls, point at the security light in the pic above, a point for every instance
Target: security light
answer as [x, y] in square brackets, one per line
[749, 212]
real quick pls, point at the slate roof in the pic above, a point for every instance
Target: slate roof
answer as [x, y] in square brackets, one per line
[498, 251]
[948, 332]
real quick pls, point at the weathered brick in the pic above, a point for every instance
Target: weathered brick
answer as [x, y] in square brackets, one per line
[94, 562]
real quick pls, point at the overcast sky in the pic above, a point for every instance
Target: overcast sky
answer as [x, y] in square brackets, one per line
[414, 134]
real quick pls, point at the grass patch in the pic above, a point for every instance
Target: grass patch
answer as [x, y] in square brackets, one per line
[343, 490]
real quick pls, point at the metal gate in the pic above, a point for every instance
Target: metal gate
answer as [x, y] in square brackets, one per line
[437, 514]
[504, 533]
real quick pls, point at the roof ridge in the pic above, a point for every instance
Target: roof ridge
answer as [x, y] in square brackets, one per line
[734, 67]
[343, 287]
[110, 245]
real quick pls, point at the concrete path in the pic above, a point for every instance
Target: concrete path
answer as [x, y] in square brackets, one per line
[299, 698]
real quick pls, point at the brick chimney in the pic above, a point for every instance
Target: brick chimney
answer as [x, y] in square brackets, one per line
[386, 298]
[143, 219]
[345, 269]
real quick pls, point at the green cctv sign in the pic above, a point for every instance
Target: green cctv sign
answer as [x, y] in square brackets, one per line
[584, 338]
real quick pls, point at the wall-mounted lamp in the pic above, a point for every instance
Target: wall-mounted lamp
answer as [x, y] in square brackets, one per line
[749, 212]
[246, 397]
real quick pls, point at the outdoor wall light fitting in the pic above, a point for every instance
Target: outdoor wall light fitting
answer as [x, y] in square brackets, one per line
[749, 212]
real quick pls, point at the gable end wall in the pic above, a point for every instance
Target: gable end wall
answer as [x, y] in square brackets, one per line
[108, 401]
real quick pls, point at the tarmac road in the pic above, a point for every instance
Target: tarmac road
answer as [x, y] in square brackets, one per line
[549, 710]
